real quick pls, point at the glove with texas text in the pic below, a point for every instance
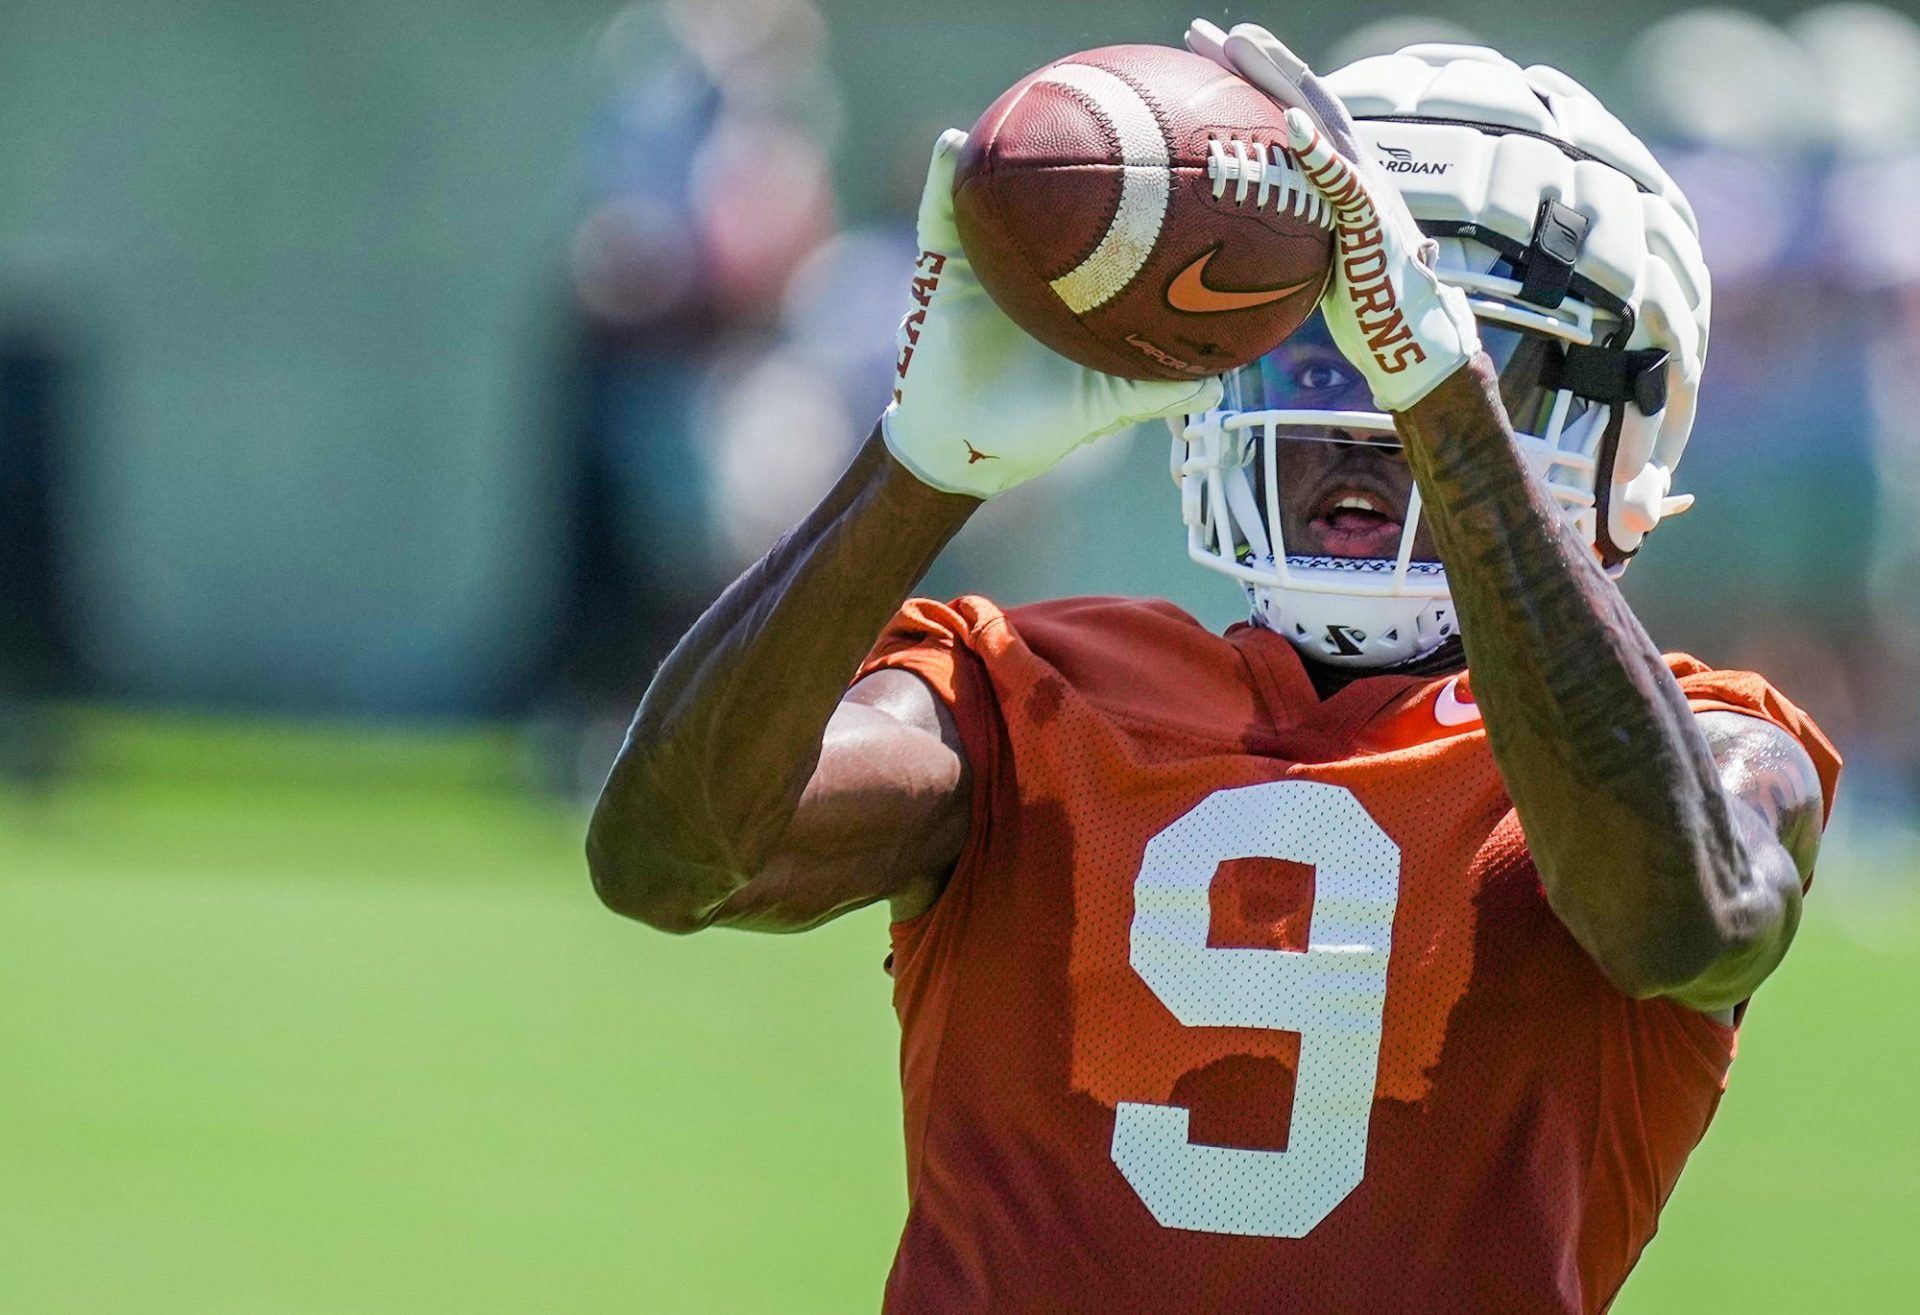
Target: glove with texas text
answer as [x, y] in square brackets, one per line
[1399, 325]
[980, 406]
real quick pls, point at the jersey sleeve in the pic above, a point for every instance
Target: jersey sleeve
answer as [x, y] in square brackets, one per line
[1745, 692]
[942, 644]
[936, 642]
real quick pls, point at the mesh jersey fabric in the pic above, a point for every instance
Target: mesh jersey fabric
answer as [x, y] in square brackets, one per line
[1523, 1124]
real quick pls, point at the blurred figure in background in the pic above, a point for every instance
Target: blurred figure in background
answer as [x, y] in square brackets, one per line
[777, 413]
[1813, 424]
[705, 185]
[1871, 58]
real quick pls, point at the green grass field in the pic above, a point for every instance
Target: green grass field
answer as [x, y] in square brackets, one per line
[295, 1021]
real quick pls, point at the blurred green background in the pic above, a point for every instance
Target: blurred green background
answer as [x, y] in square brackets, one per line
[360, 453]
[307, 1021]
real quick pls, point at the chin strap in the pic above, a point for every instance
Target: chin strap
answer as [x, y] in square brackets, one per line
[1361, 632]
[1614, 375]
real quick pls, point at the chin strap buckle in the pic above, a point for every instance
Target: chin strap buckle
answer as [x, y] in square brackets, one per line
[1613, 375]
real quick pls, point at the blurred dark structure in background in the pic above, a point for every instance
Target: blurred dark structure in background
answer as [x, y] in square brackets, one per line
[704, 183]
[36, 655]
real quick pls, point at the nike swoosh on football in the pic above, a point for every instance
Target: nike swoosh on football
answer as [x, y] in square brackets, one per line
[1189, 291]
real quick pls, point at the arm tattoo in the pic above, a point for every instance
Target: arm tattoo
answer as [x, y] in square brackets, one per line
[713, 769]
[1639, 847]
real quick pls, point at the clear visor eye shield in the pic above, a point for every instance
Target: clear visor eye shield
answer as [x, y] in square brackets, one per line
[1296, 482]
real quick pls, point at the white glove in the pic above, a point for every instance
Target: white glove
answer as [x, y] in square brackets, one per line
[1401, 327]
[980, 406]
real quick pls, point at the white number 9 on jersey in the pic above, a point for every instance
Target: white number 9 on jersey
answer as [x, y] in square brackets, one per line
[1333, 994]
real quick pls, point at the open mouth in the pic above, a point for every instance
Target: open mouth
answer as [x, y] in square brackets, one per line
[1353, 521]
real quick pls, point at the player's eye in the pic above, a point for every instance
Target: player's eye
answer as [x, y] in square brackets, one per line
[1320, 376]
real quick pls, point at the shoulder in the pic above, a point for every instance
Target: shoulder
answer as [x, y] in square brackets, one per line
[1108, 624]
[1139, 656]
[1070, 629]
[1138, 659]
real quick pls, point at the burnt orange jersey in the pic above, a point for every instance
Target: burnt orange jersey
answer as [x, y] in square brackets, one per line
[1241, 1000]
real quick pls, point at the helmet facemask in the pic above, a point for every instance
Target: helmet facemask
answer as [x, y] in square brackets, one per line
[1296, 486]
[1581, 259]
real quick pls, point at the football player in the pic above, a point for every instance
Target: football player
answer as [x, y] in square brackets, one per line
[1384, 954]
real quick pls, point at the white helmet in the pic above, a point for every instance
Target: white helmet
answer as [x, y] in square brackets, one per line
[1582, 262]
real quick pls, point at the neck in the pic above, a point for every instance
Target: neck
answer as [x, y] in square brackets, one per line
[1329, 680]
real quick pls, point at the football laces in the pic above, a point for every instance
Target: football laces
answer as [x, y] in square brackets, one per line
[1267, 172]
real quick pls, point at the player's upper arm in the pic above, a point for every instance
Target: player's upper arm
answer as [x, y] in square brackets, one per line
[884, 815]
[1775, 789]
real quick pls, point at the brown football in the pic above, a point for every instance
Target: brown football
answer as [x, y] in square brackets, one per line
[1133, 208]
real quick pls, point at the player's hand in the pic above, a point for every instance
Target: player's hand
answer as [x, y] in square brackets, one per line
[979, 406]
[1389, 314]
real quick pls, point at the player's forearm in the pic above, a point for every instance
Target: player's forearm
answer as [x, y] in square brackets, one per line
[1637, 843]
[730, 729]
